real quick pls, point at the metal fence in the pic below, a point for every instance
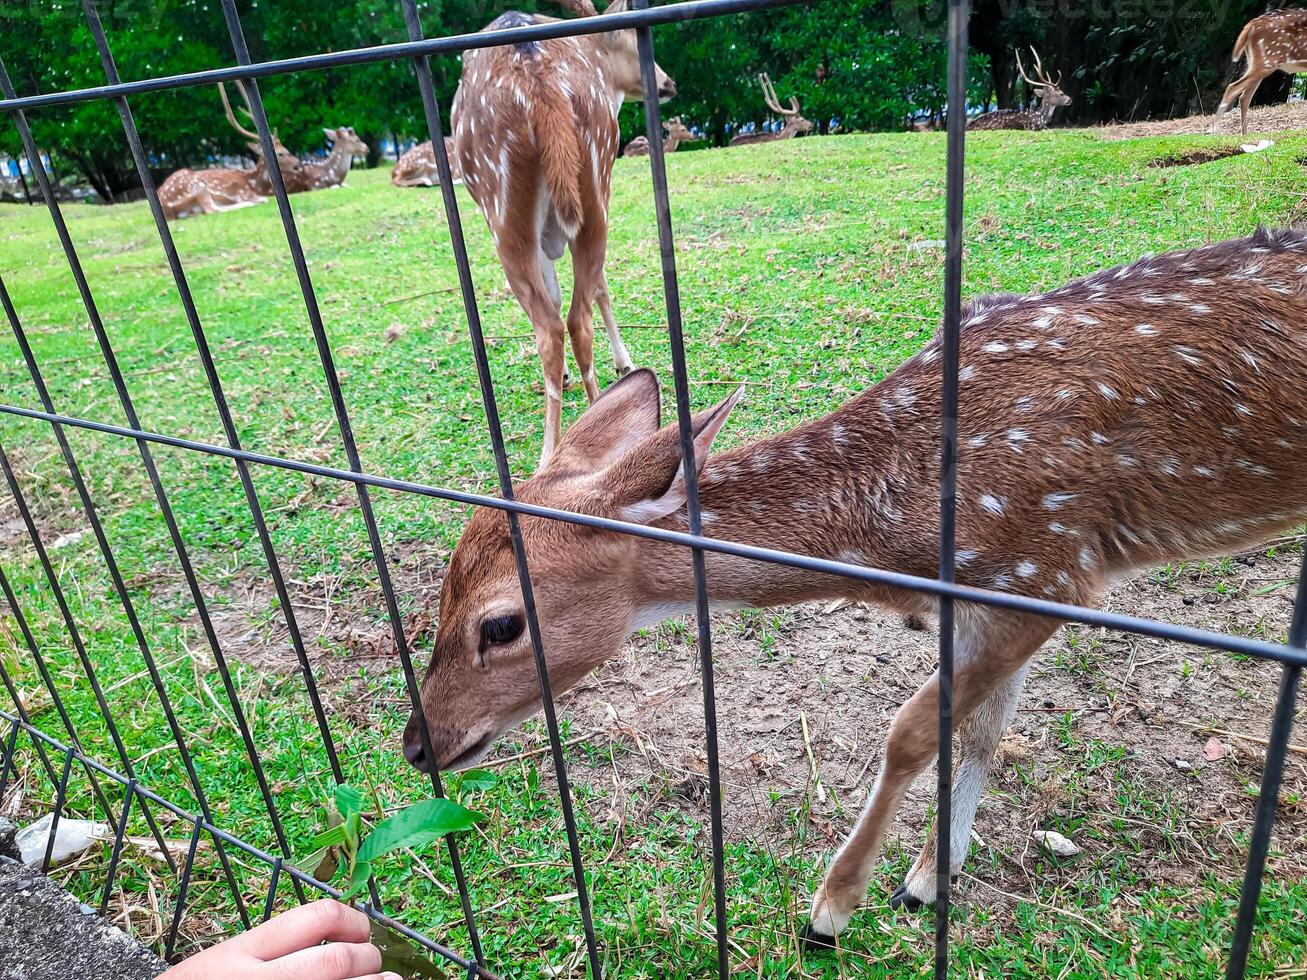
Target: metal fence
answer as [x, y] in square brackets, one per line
[57, 756]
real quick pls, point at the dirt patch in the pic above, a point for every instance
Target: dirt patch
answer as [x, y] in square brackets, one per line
[1189, 158]
[1263, 119]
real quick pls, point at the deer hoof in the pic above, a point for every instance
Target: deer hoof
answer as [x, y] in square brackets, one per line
[812, 941]
[624, 371]
[903, 899]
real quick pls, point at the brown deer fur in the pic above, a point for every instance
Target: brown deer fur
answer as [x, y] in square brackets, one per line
[417, 167]
[675, 134]
[536, 133]
[1146, 414]
[318, 175]
[1275, 41]
[1047, 90]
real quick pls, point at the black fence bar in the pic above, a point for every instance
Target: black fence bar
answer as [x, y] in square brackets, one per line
[11, 755]
[246, 848]
[117, 853]
[60, 798]
[690, 473]
[183, 887]
[271, 901]
[502, 471]
[950, 331]
[23, 714]
[230, 432]
[1224, 642]
[341, 413]
[1268, 797]
[673, 13]
[60, 708]
[152, 472]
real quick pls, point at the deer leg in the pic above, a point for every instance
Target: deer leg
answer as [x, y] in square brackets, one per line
[587, 273]
[622, 362]
[1232, 92]
[992, 647]
[527, 279]
[1245, 102]
[552, 242]
[978, 739]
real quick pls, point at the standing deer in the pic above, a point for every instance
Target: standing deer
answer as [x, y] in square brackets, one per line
[417, 167]
[1047, 90]
[535, 132]
[675, 133]
[316, 175]
[188, 192]
[1275, 41]
[1152, 413]
[794, 123]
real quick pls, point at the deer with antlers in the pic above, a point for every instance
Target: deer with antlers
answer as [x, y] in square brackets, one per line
[1150, 413]
[1275, 41]
[317, 175]
[674, 134]
[417, 167]
[795, 124]
[535, 133]
[189, 192]
[1047, 90]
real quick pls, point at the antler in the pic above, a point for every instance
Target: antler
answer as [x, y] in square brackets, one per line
[773, 103]
[231, 116]
[1041, 79]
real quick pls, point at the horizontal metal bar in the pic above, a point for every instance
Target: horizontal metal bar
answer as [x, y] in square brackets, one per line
[674, 13]
[914, 583]
[254, 852]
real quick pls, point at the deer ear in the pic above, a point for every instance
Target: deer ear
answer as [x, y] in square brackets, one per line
[621, 417]
[616, 7]
[648, 483]
[331, 134]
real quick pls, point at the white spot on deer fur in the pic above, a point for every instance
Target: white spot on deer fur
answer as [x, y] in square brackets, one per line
[1026, 345]
[1099, 438]
[967, 373]
[995, 505]
[1086, 319]
[1057, 527]
[1086, 557]
[1016, 437]
[1024, 404]
[1027, 569]
[1057, 343]
[995, 347]
[1203, 471]
[1200, 308]
[965, 557]
[978, 441]
[1056, 501]
[1063, 578]
[1125, 459]
[837, 434]
[1066, 394]
[1002, 581]
[1107, 392]
[930, 355]
[1242, 409]
[1147, 329]
[851, 556]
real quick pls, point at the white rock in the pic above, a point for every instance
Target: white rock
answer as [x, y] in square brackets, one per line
[64, 540]
[71, 838]
[1256, 147]
[1055, 844]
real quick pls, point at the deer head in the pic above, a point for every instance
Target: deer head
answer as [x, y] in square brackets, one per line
[793, 121]
[346, 140]
[677, 132]
[614, 462]
[1048, 89]
[619, 52]
[285, 159]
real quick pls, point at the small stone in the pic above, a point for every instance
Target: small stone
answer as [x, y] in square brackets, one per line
[8, 840]
[1184, 765]
[1188, 600]
[1055, 844]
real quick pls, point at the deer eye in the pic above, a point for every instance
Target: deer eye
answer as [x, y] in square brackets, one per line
[500, 630]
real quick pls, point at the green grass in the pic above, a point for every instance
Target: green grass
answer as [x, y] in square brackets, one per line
[795, 276]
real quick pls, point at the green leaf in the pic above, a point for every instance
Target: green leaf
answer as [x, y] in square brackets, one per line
[478, 780]
[329, 837]
[398, 955]
[417, 825]
[349, 801]
[358, 880]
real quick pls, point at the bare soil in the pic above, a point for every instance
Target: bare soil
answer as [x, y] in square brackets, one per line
[1261, 120]
[1113, 731]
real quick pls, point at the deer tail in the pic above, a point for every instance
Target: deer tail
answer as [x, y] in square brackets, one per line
[1241, 42]
[560, 153]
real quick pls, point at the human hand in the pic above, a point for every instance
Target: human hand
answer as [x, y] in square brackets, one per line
[290, 947]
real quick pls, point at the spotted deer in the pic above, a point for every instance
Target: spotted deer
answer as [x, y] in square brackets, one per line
[535, 132]
[188, 192]
[675, 133]
[1145, 414]
[317, 175]
[1047, 90]
[417, 167]
[794, 122]
[1275, 41]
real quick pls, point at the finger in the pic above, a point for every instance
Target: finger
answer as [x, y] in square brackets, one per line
[335, 961]
[303, 928]
[379, 976]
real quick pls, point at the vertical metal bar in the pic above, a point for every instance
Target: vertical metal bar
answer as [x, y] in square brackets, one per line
[183, 887]
[147, 458]
[257, 113]
[60, 708]
[73, 632]
[117, 853]
[115, 574]
[271, 900]
[215, 386]
[690, 469]
[956, 156]
[413, 23]
[10, 750]
[60, 798]
[1268, 798]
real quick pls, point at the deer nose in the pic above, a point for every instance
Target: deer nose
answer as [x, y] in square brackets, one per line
[414, 752]
[666, 90]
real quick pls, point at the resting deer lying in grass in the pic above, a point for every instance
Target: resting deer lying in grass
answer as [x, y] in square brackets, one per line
[535, 130]
[417, 167]
[317, 175]
[189, 192]
[675, 133]
[794, 122]
[1275, 41]
[1047, 90]
[1147, 414]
